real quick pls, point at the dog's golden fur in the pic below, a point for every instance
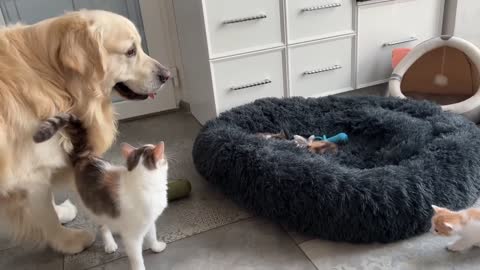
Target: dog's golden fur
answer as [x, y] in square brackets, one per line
[65, 64]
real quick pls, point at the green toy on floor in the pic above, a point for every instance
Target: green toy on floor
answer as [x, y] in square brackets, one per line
[178, 189]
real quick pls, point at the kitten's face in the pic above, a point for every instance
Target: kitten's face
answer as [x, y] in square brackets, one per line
[446, 222]
[150, 157]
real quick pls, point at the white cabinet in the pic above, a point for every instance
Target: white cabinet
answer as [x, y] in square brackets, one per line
[240, 26]
[321, 68]
[388, 25]
[236, 51]
[312, 19]
[243, 79]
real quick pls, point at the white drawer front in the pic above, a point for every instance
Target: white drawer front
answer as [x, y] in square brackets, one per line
[240, 26]
[385, 26]
[242, 80]
[321, 68]
[309, 19]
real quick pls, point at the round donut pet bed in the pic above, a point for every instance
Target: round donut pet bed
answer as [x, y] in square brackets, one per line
[402, 157]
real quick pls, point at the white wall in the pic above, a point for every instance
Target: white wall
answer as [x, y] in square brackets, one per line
[467, 21]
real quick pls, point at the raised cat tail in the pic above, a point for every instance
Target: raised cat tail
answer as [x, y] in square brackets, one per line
[75, 129]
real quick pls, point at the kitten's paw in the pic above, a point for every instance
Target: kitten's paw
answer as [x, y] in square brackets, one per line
[66, 211]
[456, 247]
[452, 248]
[111, 247]
[158, 246]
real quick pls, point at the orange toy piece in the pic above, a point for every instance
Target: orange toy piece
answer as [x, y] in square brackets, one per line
[398, 54]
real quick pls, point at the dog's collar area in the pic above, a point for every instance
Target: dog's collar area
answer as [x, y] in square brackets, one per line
[127, 93]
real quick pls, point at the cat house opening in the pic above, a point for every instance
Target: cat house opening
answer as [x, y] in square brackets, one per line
[443, 70]
[423, 80]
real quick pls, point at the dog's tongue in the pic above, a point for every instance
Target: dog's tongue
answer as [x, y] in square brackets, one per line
[152, 95]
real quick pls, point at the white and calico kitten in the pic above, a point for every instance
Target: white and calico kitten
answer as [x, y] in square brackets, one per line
[126, 200]
[464, 223]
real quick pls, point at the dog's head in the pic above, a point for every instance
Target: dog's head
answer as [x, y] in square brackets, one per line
[106, 47]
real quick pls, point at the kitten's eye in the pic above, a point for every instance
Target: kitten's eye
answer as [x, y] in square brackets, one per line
[436, 230]
[132, 52]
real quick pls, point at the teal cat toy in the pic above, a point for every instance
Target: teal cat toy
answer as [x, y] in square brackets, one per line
[340, 138]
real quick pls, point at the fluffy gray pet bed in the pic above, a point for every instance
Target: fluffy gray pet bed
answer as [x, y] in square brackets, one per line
[402, 156]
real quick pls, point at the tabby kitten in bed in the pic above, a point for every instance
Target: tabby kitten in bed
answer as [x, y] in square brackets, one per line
[316, 147]
[282, 135]
[124, 199]
[464, 223]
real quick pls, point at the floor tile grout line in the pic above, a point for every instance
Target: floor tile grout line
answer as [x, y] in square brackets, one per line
[298, 246]
[30, 247]
[6, 249]
[211, 229]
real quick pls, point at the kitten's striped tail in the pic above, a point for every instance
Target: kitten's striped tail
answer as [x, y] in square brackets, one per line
[75, 129]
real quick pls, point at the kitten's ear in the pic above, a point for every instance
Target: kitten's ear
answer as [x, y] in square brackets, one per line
[436, 208]
[127, 149]
[451, 226]
[300, 141]
[158, 151]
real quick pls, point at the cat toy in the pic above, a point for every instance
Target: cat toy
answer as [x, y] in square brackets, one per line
[340, 138]
[441, 79]
[315, 144]
[178, 189]
[321, 144]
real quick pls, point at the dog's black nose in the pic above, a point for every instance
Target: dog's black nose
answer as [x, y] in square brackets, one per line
[164, 75]
[164, 78]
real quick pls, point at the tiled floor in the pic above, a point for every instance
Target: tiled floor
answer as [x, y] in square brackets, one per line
[208, 231]
[249, 244]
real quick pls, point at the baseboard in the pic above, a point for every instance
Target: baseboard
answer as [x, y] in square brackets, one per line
[184, 106]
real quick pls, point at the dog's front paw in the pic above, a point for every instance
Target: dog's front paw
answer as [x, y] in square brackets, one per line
[111, 247]
[158, 246]
[71, 241]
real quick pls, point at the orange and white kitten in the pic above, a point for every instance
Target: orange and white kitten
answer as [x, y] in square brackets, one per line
[464, 223]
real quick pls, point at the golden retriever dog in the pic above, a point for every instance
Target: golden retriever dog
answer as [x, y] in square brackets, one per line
[70, 63]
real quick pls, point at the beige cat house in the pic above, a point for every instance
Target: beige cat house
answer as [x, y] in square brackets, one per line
[444, 70]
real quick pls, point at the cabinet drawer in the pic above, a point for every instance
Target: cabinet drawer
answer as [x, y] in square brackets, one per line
[321, 68]
[242, 80]
[240, 26]
[310, 19]
[388, 25]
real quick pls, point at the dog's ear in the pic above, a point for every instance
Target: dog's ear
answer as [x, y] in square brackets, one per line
[81, 49]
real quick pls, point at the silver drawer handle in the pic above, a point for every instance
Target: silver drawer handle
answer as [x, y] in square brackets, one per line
[393, 43]
[315, 71]
[240, 87]
[246, 19]
[321, 7]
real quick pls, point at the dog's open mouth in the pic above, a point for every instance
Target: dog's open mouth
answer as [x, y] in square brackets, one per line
[127, 93]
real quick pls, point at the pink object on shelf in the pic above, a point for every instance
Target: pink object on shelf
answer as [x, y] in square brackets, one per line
[398, 54]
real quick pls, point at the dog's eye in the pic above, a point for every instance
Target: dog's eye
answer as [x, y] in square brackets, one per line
[131, 52]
